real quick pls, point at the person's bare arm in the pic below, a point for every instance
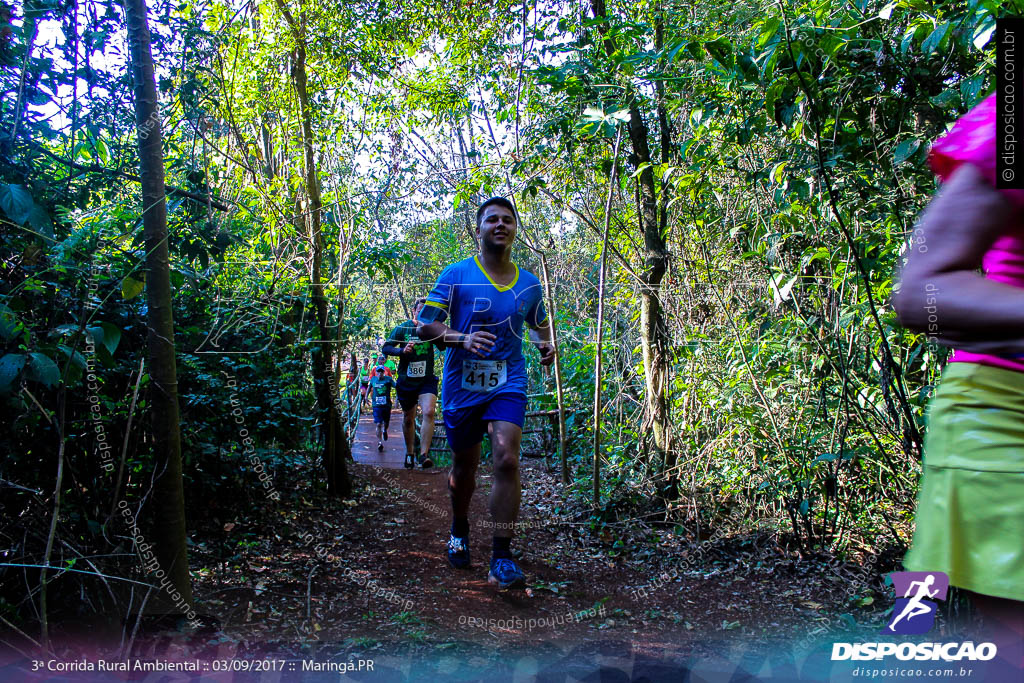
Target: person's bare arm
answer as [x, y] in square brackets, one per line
[443, 336]
[941, 292]
[541, 338]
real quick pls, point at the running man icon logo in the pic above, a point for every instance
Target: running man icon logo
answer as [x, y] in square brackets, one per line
[914, 612]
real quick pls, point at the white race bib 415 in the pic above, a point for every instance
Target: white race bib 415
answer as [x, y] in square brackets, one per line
[483, 375]
[380, 400]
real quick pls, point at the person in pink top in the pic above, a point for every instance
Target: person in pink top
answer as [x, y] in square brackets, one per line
[963, 286]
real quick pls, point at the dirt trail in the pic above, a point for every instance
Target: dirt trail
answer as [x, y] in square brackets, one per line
[372, 571]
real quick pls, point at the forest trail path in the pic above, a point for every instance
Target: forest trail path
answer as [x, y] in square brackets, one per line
[372, 573]
[364, 446]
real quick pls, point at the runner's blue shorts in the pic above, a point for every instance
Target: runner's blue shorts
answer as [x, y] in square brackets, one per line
[381, 413]
[465, 427]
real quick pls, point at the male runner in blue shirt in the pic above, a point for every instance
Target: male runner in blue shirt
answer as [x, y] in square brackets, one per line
[486, 299]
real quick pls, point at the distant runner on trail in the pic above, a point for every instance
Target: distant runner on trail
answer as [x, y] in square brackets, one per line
[417, 385]
[352, 380]
[364, 377]
[380, 390]
[389, 367]
[486, 299]
[389, 363]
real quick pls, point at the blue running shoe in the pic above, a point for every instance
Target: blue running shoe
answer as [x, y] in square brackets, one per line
[458, 552]
[505, 573]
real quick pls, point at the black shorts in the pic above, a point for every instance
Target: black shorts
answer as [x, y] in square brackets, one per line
[409, 394]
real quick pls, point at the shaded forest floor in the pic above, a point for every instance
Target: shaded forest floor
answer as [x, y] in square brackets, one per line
[309, 576]
[372, 571]
[307, 580]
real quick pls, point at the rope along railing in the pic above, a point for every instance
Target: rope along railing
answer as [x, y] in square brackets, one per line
[353, 409]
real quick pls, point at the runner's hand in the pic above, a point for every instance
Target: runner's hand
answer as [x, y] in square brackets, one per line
[479, 342]
[547, 353]
[408, 349]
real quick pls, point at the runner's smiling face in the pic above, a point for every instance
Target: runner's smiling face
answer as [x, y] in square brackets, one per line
[497, 228]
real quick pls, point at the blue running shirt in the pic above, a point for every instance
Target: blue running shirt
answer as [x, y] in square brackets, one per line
[472, 302]
[380, 389]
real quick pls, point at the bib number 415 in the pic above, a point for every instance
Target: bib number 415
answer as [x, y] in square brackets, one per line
[483, 375]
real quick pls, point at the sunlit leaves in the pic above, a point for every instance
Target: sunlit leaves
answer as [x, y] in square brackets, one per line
[596, 121]
[936, 39]
[131, 288]
[721, 50]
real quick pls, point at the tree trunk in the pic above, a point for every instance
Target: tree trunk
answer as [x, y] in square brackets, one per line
[552, 315]
[654, 218]
[600, 324]
[662, 337]
[336, 448]
[168, 493]
[467, 206]
[653, 332]
[30, 29]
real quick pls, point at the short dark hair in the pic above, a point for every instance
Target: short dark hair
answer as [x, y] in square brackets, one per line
[499, 201]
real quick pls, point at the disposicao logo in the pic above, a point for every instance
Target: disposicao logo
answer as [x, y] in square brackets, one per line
[914, 614]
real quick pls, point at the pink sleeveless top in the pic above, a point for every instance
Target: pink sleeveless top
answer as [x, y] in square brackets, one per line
[973, 140]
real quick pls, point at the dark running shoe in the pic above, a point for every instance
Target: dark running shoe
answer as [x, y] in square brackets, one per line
[380, 445]
[425, 461]
[458, 552]
[505, 573]
[410, 461]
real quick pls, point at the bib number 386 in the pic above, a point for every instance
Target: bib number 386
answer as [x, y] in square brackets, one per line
[483, 375]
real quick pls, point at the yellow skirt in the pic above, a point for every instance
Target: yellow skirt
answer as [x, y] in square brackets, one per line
[970, 507]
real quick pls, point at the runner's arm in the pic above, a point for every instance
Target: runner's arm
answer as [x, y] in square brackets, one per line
[443, 336]
[394, 345]
[539, 322]
[430, 322]
[941, 291]
[439, 334]
[542, 339]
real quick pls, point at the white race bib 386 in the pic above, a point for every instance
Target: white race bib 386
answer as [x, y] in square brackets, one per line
[417, 369]
[483, 375]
